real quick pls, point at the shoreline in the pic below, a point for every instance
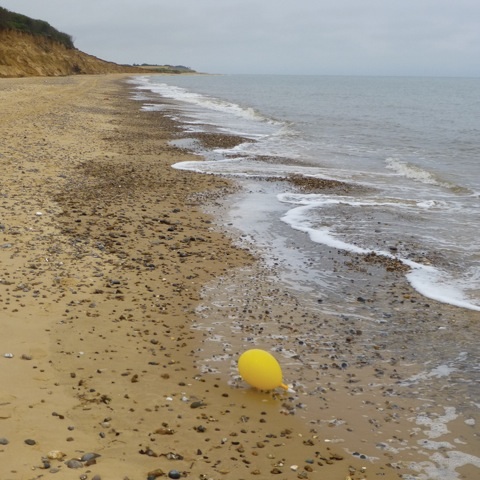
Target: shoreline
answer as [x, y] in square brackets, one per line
[365, 367]
[106, 253]
[391, 317]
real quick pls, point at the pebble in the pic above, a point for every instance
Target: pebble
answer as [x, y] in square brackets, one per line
[155, 474]
[74, 463]
[174, 474]
[8, 355]
[55, 455]
[4, 441]
[164, 431]
[29, 441]
[89, 456]
[360, 455]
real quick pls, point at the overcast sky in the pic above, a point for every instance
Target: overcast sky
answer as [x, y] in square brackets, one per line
[326, 37]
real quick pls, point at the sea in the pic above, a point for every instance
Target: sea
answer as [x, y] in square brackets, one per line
[414, 142]
[408, 148]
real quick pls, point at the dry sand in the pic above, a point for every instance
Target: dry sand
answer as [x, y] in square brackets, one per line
[104, 249]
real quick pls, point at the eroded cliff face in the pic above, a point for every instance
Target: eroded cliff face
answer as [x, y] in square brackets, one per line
[25, 55]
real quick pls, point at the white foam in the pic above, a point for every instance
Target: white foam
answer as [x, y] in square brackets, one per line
[413, 172]
[438, 425]
[437, 285]
[442, 466]
[200, 100]
[151, 107]
[297, 219]
[437, 372]
[419, 174]
[443, 459]
[429, 204]
[431, 282]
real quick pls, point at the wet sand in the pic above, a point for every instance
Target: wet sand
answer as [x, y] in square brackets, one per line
[106, 254]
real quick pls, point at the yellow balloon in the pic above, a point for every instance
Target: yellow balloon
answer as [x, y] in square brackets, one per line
[260, 369]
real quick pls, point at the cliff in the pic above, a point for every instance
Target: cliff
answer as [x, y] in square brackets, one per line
[25, 55]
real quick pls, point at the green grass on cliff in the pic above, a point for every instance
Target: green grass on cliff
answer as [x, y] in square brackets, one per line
[16, 21]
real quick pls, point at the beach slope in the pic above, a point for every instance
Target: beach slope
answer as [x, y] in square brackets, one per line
[103, 251]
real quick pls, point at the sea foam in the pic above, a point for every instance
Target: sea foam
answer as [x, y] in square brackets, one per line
[428, 280]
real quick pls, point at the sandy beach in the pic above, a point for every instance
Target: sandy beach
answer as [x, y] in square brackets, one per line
[105, 253]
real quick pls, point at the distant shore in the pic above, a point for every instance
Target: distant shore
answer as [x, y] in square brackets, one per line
[105, 250]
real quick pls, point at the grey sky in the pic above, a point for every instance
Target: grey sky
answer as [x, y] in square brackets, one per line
[327, 37]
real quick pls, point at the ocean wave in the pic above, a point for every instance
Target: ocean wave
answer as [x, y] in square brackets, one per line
[419, 174]
[428, 280]
[204, 101]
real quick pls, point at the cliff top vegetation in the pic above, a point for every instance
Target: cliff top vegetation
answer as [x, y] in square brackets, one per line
[16, 21]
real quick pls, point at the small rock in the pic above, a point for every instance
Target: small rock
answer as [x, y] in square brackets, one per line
[155, 474]
[56, 455]
[29, 441]
[4, 441]
[174, 456]
[174, 474]
[89, 456]
[164, 431]
[197, 404]
[8, 355]
[74, 463]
